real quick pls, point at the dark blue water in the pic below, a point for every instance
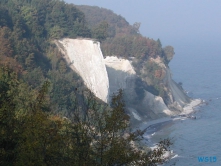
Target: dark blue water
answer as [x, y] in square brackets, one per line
[198, 67]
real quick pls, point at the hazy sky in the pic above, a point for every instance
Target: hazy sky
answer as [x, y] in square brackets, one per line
[170, 20]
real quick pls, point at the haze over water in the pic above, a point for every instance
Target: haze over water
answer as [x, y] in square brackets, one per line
[198, 67]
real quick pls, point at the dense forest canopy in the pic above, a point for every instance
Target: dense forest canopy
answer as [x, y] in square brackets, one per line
[27, 29]
[47, 115]
[117, 24]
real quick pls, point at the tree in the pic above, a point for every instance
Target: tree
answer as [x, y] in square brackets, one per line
[80, 29]
[56, 32]
[28, 136]
[8, 121]
[101, 31]
[158, 47]
[168, 53]
[62, 66]
[5, 46]
[103, 137]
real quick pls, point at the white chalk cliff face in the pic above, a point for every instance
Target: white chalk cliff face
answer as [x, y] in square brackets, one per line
[87, 59]
[119, 64]
[106, 76]
[122, 75]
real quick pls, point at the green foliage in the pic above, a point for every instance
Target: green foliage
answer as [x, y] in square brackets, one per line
[151, 67]
[93, 135]
[123, 39]
[56, 32]
[154, 75]
[27, 135]
[51, 18]
[103, 137]
[5, 19]
[26, 31]
[117, 25]
[131, 46]
[100, 32]
[80, 29]
[8, 121]
[159, 47]
[168, 53]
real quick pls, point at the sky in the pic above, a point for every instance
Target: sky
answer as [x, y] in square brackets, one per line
[172, 21]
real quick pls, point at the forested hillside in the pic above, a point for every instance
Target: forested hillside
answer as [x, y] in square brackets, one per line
[123, 39]
[47, 116]
[27, 30]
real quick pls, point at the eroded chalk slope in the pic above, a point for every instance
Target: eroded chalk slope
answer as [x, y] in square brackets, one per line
[87, 60]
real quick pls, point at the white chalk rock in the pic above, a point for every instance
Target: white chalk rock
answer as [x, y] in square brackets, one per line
[86, 57]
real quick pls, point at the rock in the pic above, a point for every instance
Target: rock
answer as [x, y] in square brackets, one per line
[87, 60]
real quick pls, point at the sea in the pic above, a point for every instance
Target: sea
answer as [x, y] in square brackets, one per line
[196, 142]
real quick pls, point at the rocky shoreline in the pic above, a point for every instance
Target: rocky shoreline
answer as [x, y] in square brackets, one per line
[156, 125]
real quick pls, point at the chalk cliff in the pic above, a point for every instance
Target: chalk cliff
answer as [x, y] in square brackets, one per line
[105, 76]
[121, 74]
[85, 57]
[141, 105]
